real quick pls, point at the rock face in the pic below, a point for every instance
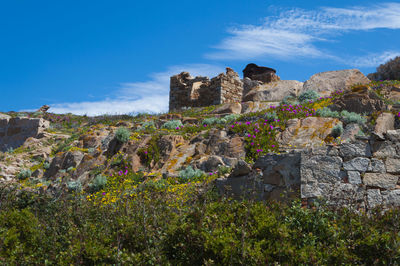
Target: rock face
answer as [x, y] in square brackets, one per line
[263, 74]
[228, 108]
[384, 122]
[327, 82]
[361, 99]
[186, 91]
[388, 71]
[44, 108]
[274, 91]
[307, 132]
[14, 131]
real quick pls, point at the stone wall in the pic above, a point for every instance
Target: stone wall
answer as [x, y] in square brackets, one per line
[186, 91]
[14, 131]
[362, 174]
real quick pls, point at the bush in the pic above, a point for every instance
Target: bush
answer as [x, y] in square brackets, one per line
[148, 125]
[189, 174]
[46, 165]
[173, 124]
[271, 116]
[351, 117]
[289, 100]
[337, 131]
[98, 183]
[75, 186]
[230, 118]
[326, 112]
[388, 71]
[309, 95]
[122, 135]
[210, 121]
[24, 174]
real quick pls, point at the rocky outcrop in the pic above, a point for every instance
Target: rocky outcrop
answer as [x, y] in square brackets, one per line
[263, 74]
[327, 82]
[388, 71]
[14, 131]
[274, 91]
[361, 99]
[308, 132]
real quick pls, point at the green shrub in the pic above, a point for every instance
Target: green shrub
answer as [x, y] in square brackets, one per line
[46, 165]
[337, 131]
[326, 112]
[122, 135]
[149, 125]
[210, 121]
[189, 174]
[75, 186]
[173, 124]
[230, 118]
[271, 116]
[98, 183]
[289, 100]
[309, 95]
[24, 174]
[351, 117]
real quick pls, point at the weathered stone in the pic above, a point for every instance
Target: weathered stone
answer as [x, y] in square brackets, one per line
[384, 122]
[382, 149]
[228, 108]
[376, 166]
[274, 91]
[248, 84]
[44, 108]
[242, 168]
[393, 198]
[380, 180]
[263, 74]
[281, 170]
[392, 165]
[393, 135]
[211, 163]
[186, 91]
[307, 132]
[327, 82]
[357, 164]
[350, 132]
[321, 169]
[247, 186]
[354, 177]
[361, 99]
[72, 159]
[352, 150]
[248, 107]
[374, 198]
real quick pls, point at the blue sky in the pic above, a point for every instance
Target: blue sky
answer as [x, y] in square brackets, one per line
[94, 57]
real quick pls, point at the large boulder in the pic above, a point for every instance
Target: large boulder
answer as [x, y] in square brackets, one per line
[14, 131]
[308, 132]
[274, 91]
[360, 99]
[327, 82]
[263, 74]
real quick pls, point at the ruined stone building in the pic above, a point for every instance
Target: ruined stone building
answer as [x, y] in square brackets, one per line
[186, 91]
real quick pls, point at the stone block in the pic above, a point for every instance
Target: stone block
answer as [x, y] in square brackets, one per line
[380, 180]
[321, 169]
[357, 164]
[376, 166]
[354, 177]
[374, 198]
[358, 149]
[392, 165]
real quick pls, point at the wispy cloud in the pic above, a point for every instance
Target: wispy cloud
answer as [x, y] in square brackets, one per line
[373, 59]
[149, 96]
[298, 32]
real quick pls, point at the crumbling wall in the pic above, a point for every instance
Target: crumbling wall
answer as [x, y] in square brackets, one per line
[186, 91]
[362, 174]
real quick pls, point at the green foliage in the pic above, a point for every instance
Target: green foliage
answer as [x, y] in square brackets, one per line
[326, 112]
[220, 121]
[351, 117]
[98, 183]
[309, 95]
[122, 135]
[150, 153]
[271, 116]
[24, 174]
[75, 186]
[173, 124]
[210, 121]
[148, 125]
[337, 131]
[289, 100]
[189, 174]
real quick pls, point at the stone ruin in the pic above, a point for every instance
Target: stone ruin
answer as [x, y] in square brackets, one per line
[186, 91]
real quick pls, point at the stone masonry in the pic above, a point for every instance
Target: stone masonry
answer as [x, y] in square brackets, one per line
[362, 174]
[186, 91]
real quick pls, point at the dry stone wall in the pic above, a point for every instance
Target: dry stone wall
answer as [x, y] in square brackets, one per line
[186, 91]
[362, 174]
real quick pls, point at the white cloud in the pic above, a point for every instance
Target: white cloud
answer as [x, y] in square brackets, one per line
[374, 59]
[296, 32]
[150, 96]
